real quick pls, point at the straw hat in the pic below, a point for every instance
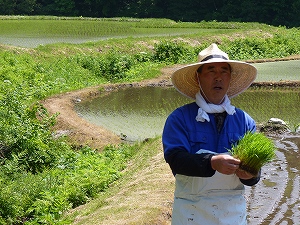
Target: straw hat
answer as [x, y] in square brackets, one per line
[242, 73]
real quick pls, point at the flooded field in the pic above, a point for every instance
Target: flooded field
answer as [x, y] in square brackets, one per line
[140, 113]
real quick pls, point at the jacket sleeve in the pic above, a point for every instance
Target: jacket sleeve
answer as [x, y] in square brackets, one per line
[176, 145]
[184, 163]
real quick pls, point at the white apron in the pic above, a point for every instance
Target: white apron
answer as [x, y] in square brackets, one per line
[216, 200]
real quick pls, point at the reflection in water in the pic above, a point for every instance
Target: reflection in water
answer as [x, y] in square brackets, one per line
[140, 113]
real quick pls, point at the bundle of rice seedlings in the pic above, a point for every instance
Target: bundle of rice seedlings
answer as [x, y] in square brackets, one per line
[253, 150]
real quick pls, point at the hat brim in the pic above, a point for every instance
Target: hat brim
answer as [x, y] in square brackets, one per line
[242, 75]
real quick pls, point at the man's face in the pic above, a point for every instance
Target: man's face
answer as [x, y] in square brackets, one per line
[214, 79]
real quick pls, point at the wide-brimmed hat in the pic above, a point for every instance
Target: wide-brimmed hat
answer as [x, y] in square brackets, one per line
[242, 74]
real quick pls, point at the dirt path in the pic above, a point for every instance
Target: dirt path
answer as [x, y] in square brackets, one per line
[78, 129]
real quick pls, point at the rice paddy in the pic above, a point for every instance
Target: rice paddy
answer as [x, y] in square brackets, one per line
[31, 32]
[275, 199]
[265, 103]
[278, 71]
[140, 113]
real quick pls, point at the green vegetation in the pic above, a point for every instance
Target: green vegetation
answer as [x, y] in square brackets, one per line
[43, 177]
[254, 150]
[71, 180]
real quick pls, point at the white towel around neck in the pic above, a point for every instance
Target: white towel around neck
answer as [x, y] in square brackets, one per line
[205, 108]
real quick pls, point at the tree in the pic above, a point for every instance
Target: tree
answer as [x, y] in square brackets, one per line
[56, 7]
[7, 7]
[273, 12]
[25, 7]
[295, 12]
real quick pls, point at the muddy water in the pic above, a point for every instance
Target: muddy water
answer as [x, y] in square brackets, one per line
[275, 199]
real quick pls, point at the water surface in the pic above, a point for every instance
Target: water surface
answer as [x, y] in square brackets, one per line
[275, 199]
[278, 71]
[140, 113]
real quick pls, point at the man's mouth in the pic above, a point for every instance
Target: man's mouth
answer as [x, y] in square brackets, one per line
[218, 88]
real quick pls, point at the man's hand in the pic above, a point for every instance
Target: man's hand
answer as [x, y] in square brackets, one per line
[225, 164]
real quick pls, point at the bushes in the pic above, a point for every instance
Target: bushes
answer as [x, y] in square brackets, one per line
[112, 67]
[26, 141]
[115, 66]
[42, 198]
[282, 44]
[41, 177]
[172, 52]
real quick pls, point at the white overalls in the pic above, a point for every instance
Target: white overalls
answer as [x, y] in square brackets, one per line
[216, 200]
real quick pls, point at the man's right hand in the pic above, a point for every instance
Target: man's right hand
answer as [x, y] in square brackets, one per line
[224, 163]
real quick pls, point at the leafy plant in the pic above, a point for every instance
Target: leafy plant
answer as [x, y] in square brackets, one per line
[170, 51]
[253, 150]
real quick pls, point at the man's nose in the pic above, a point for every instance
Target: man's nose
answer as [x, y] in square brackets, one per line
[218, 76]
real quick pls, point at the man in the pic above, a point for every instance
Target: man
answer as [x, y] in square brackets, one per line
[197, 136]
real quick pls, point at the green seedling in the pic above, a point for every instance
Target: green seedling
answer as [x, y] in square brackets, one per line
[253, 150]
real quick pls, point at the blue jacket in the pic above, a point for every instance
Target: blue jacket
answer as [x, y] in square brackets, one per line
[184, 132]
[183, 136]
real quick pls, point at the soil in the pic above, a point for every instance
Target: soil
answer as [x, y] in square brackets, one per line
[81, 132]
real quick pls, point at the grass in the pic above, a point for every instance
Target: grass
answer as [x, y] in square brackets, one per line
[87, 29]
[130, 199]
